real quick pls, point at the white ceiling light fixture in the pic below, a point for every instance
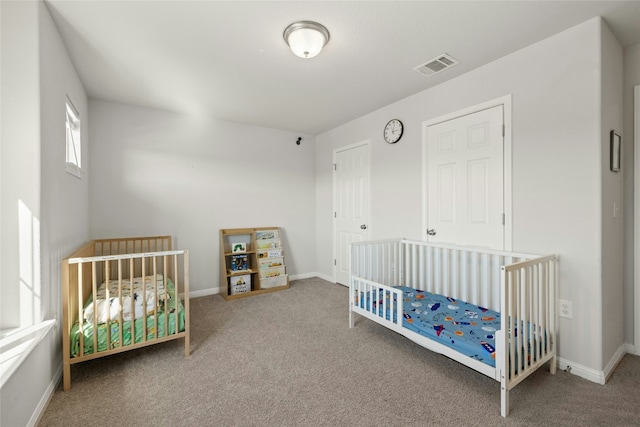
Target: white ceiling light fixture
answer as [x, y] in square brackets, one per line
[306, 38]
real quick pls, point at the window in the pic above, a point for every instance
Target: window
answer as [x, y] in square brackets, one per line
[74, 149]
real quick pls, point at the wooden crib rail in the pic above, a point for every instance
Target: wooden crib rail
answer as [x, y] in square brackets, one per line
[130, 245]
[97, 262]
[71, 276]
[141, 255]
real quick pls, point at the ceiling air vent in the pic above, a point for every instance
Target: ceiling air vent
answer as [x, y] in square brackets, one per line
[436, 65]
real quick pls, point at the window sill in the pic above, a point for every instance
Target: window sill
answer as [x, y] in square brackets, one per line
[74, 170]
[16, 346]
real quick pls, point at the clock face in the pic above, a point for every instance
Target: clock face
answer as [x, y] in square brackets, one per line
[393, 131]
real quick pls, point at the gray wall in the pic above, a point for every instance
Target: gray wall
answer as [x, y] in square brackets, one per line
[631, 79]
[65, 197]
[20, 142]
[20, 184]
[155, 172]
[612, 200]
[557, 173]
[37, 75]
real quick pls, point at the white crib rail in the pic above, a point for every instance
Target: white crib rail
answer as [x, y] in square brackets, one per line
[377, 302]
[528, 321]
[469, 274]
[374, 265]
[377, 261]
[522, 287]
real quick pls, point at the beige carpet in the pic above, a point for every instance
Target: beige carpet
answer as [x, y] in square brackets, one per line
[289, 359]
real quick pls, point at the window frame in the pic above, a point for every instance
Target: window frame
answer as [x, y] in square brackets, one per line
[73, 148]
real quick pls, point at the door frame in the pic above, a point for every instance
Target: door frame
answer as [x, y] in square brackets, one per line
[367, 143]
[636, 197]
[505, 102]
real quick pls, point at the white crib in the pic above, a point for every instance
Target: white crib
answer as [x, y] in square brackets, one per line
[521, 287]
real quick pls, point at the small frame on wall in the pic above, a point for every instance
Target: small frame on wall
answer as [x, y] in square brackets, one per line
[615, 147]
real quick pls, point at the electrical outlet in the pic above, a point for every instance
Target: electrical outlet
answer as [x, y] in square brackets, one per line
[566, 309]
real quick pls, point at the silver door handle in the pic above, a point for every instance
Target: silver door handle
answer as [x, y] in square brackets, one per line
[431, 232]
[363, 226]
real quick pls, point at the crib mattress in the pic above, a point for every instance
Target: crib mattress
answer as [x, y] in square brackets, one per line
[139, 329]
[465, 327]
[462, 326]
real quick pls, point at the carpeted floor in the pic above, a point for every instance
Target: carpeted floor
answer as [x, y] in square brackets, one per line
[289, 359]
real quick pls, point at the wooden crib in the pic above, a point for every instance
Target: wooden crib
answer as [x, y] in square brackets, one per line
[521, 288]
[122, 294]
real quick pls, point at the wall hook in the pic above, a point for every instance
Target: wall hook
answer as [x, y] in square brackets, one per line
[298, 140]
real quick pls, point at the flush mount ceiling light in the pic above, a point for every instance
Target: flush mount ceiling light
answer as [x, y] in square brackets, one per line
[306, 38]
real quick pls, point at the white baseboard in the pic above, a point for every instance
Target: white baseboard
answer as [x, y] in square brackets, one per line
[582, 371]
[615, 359]
[591, 374]
[204, 293]
[213, 291]
[46, 397]
[303, 276]
[325, 277]
[629, 348]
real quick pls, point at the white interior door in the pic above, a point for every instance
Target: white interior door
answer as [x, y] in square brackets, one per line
[636, 195]
[465, 180]
[351, 204]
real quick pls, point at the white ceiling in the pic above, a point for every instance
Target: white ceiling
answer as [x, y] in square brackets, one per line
[228, 60]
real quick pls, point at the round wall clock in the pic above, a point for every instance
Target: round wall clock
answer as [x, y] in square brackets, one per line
[393, 131]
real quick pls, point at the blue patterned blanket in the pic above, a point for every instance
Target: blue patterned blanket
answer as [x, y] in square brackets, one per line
[465, 327]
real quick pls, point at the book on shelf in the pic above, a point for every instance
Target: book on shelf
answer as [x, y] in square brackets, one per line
[239, 262]
[267, 235]
[239, 247]
[270, 253]
[268, 243]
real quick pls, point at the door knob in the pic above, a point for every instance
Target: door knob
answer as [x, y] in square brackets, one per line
[363, 226]
[431, 232]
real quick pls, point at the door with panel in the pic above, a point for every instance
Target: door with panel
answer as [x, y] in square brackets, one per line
[351, 204]
[465, 180]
